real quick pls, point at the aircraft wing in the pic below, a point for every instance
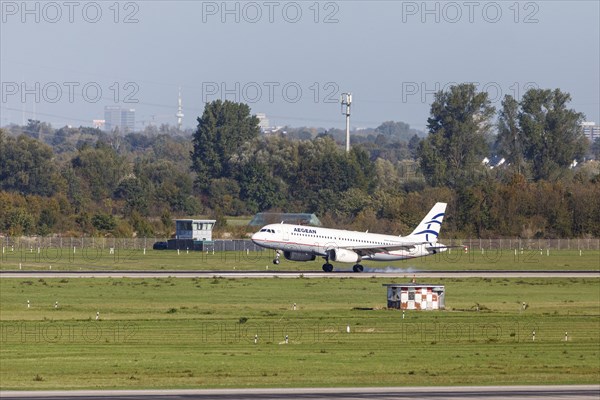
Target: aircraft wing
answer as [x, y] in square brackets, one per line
[368, 250]
[408, 246]
[444, 247]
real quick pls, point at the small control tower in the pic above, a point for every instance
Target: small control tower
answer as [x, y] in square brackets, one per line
[194, 229]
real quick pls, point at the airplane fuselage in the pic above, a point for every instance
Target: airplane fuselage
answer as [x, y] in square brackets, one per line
[305, 243]
[320, 241]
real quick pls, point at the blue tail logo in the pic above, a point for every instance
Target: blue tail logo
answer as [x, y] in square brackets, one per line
[431, 224]
[430, 231]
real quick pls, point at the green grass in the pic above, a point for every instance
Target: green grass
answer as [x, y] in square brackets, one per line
[239, 221]
[199, 333]
[126, 259]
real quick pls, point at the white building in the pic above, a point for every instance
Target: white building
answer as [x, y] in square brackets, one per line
[415, 296]
[591, 130]
[194, 229]
[98, 123]
[263, 122]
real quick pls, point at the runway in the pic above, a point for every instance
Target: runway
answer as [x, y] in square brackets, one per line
[580, 392]
[387, 273]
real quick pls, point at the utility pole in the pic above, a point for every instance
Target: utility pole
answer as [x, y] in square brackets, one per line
[346, 101]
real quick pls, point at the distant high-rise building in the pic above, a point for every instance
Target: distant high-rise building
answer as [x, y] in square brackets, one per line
[128, 119]
[117, 117]
[112, 118]
[591, 130]
[263, 121]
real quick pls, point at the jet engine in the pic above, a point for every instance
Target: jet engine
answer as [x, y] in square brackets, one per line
[343, 255]
[298, 256]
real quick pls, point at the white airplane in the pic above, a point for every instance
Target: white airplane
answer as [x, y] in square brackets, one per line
[305, 243]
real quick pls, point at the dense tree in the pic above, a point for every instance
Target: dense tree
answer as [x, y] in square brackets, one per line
[136, 184]
[75, 191]
[595, 149]
[26, 166]
[584, 208]
[258, 189]
[37, 130]
[48, 219]
[141, 226]
[322, 173]
[386, 177]
[413, 146]
[224, 195]
[361, 169]
[104, 222]
[19, 221]
[167, 185]
[173, 148]
[552, 133]
[61, 140]
[510, 139]
[396, 130]
[222, 129]
[432, 160]
[101, 168]
[352, 202]
[135, 194]
[459, 122]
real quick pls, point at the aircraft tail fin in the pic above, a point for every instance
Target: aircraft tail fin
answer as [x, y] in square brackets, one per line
[429, 228]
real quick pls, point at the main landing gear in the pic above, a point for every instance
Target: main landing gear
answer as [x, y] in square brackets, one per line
[327, 267]
[358, 268]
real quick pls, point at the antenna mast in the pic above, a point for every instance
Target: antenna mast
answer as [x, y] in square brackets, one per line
[179, 114]
[346, 100]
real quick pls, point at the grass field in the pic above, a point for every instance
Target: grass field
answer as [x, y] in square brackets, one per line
[199, 333]
[124, 259]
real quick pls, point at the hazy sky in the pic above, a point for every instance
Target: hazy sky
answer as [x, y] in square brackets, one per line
[64, 61]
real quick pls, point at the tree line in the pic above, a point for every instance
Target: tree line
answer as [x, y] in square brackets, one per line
[81, 181]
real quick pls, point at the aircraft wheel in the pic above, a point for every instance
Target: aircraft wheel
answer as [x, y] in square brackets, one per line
[327, 267]
[358, 268]
[276, 261]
